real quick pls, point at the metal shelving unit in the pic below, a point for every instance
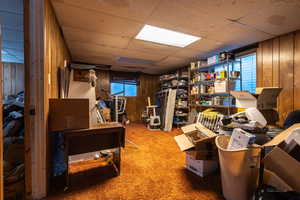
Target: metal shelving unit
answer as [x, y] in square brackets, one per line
[179, 111]
[228, 66]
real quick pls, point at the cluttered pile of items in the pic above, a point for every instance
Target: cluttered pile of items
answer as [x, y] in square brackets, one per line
[13, 137]
[254, 161]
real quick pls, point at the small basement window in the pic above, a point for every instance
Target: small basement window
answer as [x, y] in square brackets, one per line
[125, 84]
[130, 89]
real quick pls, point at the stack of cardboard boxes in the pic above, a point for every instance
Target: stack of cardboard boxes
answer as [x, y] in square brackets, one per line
[201, 152]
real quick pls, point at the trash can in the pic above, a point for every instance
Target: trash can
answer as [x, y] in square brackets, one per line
[239, 170]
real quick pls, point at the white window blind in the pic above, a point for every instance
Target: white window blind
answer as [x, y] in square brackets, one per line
[249, 72]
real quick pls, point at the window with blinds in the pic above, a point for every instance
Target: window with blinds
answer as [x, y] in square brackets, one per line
[124, 84]
[249, 72]
[248, 63]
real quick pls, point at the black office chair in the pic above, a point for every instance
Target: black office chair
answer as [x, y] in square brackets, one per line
[292, 118]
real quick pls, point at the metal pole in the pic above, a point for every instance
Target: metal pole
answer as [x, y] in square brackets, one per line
[116, 108]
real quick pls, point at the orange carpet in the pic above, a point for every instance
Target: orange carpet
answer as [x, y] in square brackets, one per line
[154, 171]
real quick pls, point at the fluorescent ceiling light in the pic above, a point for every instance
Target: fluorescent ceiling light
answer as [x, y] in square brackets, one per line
[165, 36]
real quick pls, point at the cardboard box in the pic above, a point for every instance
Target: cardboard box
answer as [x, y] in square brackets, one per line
[284, 166]
[223, 86]
[199, 140]
[200, 167]
[264, 98]
[239, 169]
[282, 163]
[65, 114]
[270, 178]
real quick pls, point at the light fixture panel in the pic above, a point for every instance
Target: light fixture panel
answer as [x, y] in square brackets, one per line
[165, 36]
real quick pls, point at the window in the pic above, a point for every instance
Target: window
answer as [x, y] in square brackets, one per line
[249, 72]
[127, 89]
[124, 83]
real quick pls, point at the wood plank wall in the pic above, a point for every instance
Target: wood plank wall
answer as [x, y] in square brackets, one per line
[278, 65]
[13, 75]
[56, 49]
[56, 56]
[148, 86]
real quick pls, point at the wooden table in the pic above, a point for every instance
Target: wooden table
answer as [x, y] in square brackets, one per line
[101, 137]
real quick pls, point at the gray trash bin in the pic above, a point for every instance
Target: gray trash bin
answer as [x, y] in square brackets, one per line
[239, 170]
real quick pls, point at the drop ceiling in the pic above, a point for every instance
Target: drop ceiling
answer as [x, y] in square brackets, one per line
[100, 31]
[11, 21]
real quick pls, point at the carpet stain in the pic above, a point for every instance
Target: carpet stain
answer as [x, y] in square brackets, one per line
[153, 171]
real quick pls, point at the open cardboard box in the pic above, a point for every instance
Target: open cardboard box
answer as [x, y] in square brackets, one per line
[199, 141]
[282, 160]
[281, 165]
[263, 99]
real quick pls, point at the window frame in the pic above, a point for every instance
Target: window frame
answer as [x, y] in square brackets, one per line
[124, 83]
[247, 54]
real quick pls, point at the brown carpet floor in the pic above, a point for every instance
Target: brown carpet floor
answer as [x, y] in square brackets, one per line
[154, 171]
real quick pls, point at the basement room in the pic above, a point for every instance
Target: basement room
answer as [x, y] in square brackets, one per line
[150, 99]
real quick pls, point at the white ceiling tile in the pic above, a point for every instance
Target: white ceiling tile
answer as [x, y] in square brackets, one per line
[169, 14]
[141, 55]
[80, 35]
[101, 30]
[150, 47]
[206, 45]
[172, 14]
[188, 53]
[93, 59]
[137, 10]
[173, 61]
[278, 18]
[223, 9]
[89, 20]
[88, 48]
[238, 35]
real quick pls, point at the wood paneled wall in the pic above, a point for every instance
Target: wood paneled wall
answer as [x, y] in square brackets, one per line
[13, 75]
[56, 52]
[148, 86]
[278, 65]
[103, 84]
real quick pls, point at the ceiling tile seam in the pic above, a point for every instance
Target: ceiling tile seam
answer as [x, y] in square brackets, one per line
[95, 32]
[94, 44]
[153, 10]
[116, 48]
[162, 59]
[97, 11]
[130, 40]
[249, 27]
